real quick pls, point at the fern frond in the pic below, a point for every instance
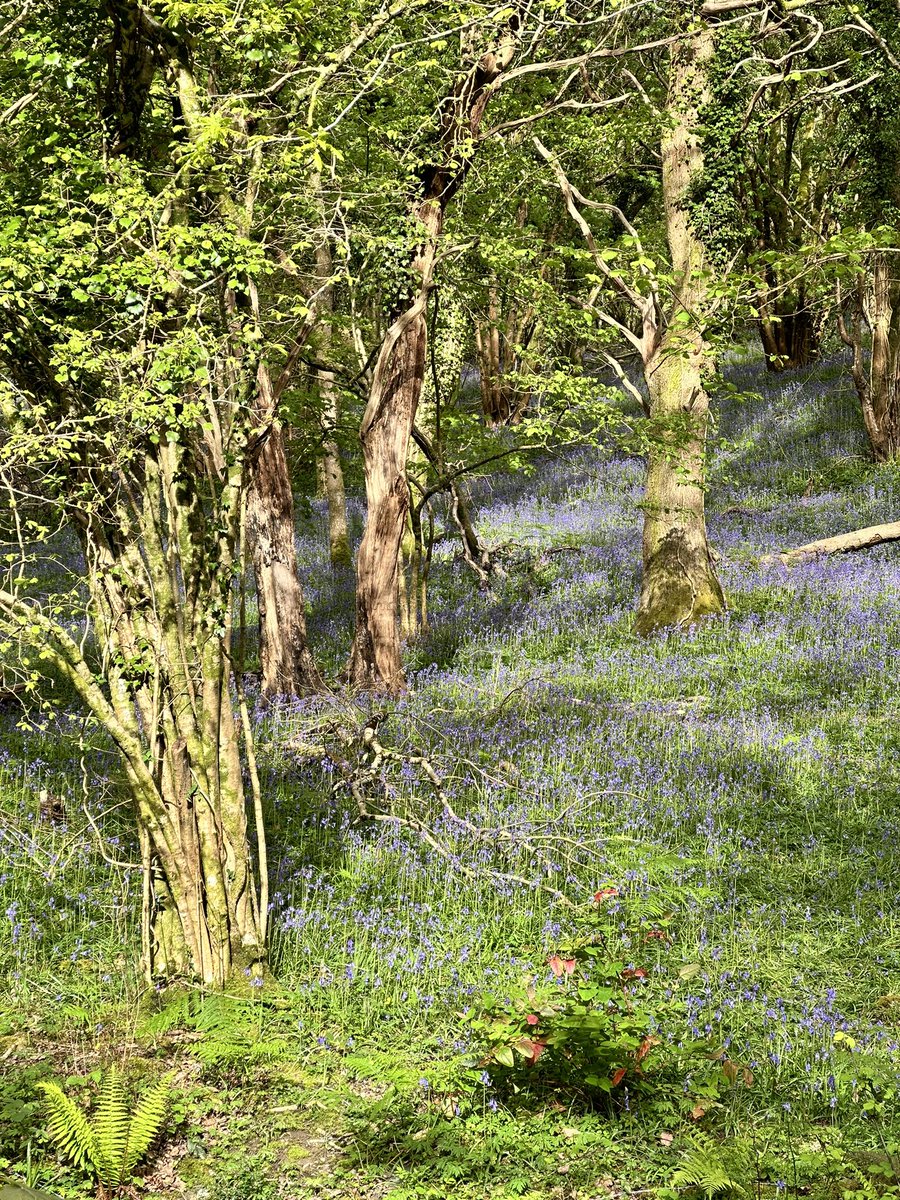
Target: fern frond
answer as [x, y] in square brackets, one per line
[707, 1168]
[111, 1124]
[216, 1053]
[147, 1123]
[270, 1050]
[114, 1142]
[68, 1127]
[176, 1013]
[224, 1016]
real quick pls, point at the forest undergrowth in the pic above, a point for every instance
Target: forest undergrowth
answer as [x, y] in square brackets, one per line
[739, 781]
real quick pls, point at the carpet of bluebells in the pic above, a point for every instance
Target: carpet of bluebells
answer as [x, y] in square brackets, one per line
[748, 768]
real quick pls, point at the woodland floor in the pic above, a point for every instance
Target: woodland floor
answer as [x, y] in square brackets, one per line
[748, 768]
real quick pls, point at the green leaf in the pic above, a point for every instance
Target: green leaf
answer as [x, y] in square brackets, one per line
[505, 1056]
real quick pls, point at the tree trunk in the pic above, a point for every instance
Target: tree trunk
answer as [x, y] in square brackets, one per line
[881, 404]
[500, 341]
[790, 340]
[412, 576]
[424, 460]
[331, 475]
[285, 659]
[415, 548]
[476, 555]
[375, 659]
[168, 706]
[487, 355]
[331, 472]
[878, 387]
[679, 584]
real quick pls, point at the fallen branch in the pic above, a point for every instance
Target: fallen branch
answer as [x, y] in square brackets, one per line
[12, 691]
[381, 783]
[380, 754]
[859, 539]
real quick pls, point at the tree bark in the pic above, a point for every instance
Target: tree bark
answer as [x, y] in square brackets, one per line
[881, 404]
[167, 705]
[790, 339]
[499, 341]
[679, 584]
[785, 195]
[131, 66]
[375, 656]
[877, 304]
[286, 663]
[331, 473]
[503, 335]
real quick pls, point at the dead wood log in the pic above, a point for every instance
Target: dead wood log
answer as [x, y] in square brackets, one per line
[12, 691]
[858, 539]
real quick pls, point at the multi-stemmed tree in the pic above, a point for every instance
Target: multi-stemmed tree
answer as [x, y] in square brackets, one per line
[154, 163]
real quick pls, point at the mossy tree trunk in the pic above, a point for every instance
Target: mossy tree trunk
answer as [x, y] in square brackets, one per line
[679, 584]
[160, 559]
[168, 669]
[877, 306]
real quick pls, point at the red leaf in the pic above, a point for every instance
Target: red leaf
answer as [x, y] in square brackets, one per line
[532, 1019]
[698, 1111]
[645, 1047]
[618, 1076]
[531, 1050]
[561, 966]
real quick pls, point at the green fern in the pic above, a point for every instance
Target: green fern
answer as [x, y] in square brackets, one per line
[147, 1123]
[110, 1126]
[68, 1127]
[713, 1168]
[233, 1034]
[112, 1143]
[173, 1015]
